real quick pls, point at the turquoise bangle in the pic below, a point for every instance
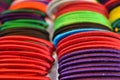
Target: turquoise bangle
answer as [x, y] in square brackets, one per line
[81, 16]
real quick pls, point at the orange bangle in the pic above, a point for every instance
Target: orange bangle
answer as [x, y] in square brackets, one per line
[31, 4]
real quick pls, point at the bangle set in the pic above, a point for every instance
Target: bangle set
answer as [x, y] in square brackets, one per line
[85, 46]
[86, 39]
[25, 51]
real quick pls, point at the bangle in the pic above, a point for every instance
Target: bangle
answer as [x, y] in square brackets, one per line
[63, 48]
[85, 39]
[24, 60]
[113, 5]
[24, 43]
[88, 47]
[88, 52]
[59, 37]
[53, 5]
[22, 31]
[88, 6]
[32, 55]
[90, 33]
[19, 47]
[80, 16]
[29, 4]
[37, 22]
[23, 11]
[3, 76]
[114, 14]
[116, 25]
[80, 26]
[20, 25]
[5, 18]
[28, 38]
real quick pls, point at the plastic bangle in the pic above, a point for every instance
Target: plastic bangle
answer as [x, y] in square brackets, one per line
[29, 4]
[21, 77]
[59, 37]
[21, 25]
[114, 14]
[16, 47]
[91, 33]
[88, 47]
[24, 60]
[90, 51]
[85, 39]
[89, 55]
[24, 71]
[53, 5]
[39, 22]
[24, 43]
[27, 38]
[32, 55]
[80, 26]
[80, 16]
[24, 10]
[86, 43]
[89, 6]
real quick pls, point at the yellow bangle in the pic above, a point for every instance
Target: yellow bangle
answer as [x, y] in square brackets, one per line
[114, 14]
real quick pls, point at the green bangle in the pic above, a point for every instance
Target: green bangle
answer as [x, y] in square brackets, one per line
[19, 25]
[24, 10]
[81, 16]
[39, 22]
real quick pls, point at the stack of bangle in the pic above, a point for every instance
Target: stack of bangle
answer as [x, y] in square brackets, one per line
[113, 8]
[85, 46]
[25, 48]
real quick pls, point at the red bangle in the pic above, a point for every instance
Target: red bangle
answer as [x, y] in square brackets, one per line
[94, 42]
[87, 47]
[28, 38]
[22, 71]
[24, 43]
[90, 33]
[82, 6]
[85, 39]
[19, 59]
[18, 77]
[32, 55]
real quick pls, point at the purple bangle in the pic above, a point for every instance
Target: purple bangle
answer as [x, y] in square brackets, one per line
[89, 55]
[90, 65]
[89, 51]
[88, 61]
[92, 75]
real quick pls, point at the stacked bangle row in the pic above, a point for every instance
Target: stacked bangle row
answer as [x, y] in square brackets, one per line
[25, 48]
[86, 47]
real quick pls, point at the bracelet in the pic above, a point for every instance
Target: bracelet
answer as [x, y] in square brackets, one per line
[22, 31]
[53, 5]
[28, 38]
[32, 55]
[114, 14]
[59, 37]
[29, 4]
[85, 39]
[80, 16]
[37, 22]
[90, 33]
[89, 6]
[80, 26]
[23, 11]
[63, 59]
[20, 25]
